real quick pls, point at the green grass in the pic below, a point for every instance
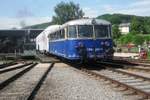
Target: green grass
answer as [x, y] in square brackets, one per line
[134, 50]
[148, 55]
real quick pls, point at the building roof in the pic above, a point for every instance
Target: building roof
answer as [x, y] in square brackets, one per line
[20, 33]
[124, 25]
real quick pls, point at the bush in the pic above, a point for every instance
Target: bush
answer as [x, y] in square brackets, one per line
[125, 39]
[147, 37]
[136, 39]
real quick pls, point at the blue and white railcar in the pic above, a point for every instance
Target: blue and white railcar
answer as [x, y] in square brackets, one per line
[42, 40]
[82, 39]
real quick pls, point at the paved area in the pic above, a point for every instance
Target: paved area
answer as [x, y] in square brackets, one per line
[46, 59]
[126, 55]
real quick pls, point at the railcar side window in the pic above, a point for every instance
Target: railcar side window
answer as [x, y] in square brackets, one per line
[85, 31]
[72, 32]
[110, 31]
[101, 31]
[58, 35]
[62, 35]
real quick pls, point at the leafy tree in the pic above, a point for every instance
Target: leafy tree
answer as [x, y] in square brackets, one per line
[67, 11]
[146, 26]
[116, 18]
[135, 25]
[138, 39]
[138, 26]
[147, 38]
[116, 31]
[128, 38]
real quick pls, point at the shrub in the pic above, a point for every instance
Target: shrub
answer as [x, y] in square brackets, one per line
[136, 39]
[125, 39]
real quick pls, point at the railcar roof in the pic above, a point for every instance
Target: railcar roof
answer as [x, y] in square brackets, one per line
[49, 30]
[88, 21]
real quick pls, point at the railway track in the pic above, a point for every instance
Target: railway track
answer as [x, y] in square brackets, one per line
[21, 84]
[120, 77]
[139, 68]
[10, 78]
[145, 62]
[7, 65]
[137, 84]
[39, 83]
[11, 68]
[131, 66]
[26, 82]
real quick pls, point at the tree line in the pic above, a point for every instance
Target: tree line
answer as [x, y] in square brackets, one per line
[139, 28]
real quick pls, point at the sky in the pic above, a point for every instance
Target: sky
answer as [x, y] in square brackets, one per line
[17, 13]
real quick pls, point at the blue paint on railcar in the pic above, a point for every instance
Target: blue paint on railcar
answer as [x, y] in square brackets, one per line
[68, 48]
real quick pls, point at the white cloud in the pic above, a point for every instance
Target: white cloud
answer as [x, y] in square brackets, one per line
[141, 3]
[140, 7]
[89, 12]
[7, 23]
[136, 7]
[108, 8]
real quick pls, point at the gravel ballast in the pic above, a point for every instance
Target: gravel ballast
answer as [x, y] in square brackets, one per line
[11, 67]
[23, 86]
[7, 75]
[141, 73]
[66, 83]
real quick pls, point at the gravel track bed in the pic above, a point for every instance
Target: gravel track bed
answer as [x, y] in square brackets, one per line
[137, 72]
[143, 67]
[11, 66]
[9, 74]
[67, 83]
[129, 80]
[22, 87]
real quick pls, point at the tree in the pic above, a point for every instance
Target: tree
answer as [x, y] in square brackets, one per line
[147, 26]
[116, 32]
[66, 11]
[137, 26]
[138, 39]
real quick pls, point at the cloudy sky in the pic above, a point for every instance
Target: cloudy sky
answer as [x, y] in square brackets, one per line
[16, 13]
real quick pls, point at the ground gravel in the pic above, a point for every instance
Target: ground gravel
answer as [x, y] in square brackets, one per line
[66, 83]
[9, 74]
[137, 72]
[11, 66]
[23, 86]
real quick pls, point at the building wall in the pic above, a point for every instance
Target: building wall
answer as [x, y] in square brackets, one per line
[124, 30]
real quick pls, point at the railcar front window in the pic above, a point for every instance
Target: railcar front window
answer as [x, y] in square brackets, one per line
[101, 31]
[85, 31]
[72, 32]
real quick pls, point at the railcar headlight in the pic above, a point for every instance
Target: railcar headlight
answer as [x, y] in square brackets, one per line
[102, 43]
[107, 43]
[79, 45]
